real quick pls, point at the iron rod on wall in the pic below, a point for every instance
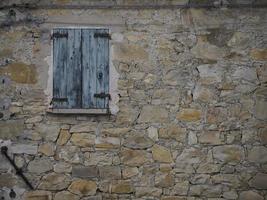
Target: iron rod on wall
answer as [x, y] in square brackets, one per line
[19, 172]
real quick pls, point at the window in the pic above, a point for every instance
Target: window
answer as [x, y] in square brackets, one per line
[80, 69]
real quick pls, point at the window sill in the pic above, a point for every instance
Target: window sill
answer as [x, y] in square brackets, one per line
[79, 111]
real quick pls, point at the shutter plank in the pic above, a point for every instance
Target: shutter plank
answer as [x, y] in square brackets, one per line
[101, 67]
[59, 69]
[74, 70]
[89, 68]
[106, 69]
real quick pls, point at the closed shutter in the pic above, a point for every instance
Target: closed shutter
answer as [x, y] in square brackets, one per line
[81, 68]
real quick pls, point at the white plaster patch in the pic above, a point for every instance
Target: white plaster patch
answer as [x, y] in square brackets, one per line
[117, 37]
[113, 86]
[49, 87]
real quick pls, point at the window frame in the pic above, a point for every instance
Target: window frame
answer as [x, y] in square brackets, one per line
[94, 111]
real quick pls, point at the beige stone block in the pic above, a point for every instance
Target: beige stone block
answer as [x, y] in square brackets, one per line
[47, 149]
[161, 154]
[129, 53]
[129, 172]
[65, 195]
[258, 54]
[38, 195]
[20, 73]
[122, 187]
[189, 115]
[83, 187]
[134, 157]
[153, 114]
[63, 137]
[210, 137]
[229, 153]
[83, 139]
[54, 181]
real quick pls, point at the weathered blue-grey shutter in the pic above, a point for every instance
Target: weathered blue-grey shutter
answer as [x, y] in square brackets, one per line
[67, 80]
[95, 62]
[81, 68]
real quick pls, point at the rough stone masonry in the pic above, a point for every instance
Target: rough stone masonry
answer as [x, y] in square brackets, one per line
[190, 113]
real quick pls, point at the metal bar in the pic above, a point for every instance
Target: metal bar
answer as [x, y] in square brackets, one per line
[102, 95]
[102, 35]
[148, 6]
[60, 99]
[19, 172]
[59, 35]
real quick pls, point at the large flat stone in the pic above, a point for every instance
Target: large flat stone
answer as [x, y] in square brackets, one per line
[54, 181]
[134, 157]
[40, 166]
[83, 187]
[210, 137]
[127, 114]
[38, 195]
[205, 50]
[190, 156]
[137, 141]
[259, 181]
[69, 154]
[153, 114]
[11, 129]
[63, 137]
[210, 74]
[229, 153]
[189, 115]
[259, 54]
[24, 148]
[173, 131]
[8, 180]
[65, 195]
[85, 172]
[48, 131]
[83, 139]
[258, 154]
[129, 53]
[161, 154]
[4, 165]
[20, 73]
[110, 172]
[122, 187]
[107, 143]
[62, 167]
[148, 191]
[84, 128]
[249, 195]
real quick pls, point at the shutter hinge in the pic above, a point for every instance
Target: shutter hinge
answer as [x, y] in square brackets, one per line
[102, 95]
[102, 35]
[60, 99]
[59, 35]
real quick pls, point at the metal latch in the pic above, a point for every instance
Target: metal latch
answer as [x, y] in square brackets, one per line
[102, 35]
[102, 95]
[60, 99]
[59, 35]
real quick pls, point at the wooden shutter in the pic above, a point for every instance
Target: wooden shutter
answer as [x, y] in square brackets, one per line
[81, 68]
[67, 84]
[95, 62]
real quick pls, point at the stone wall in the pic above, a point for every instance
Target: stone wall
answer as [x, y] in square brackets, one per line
[191, 97]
